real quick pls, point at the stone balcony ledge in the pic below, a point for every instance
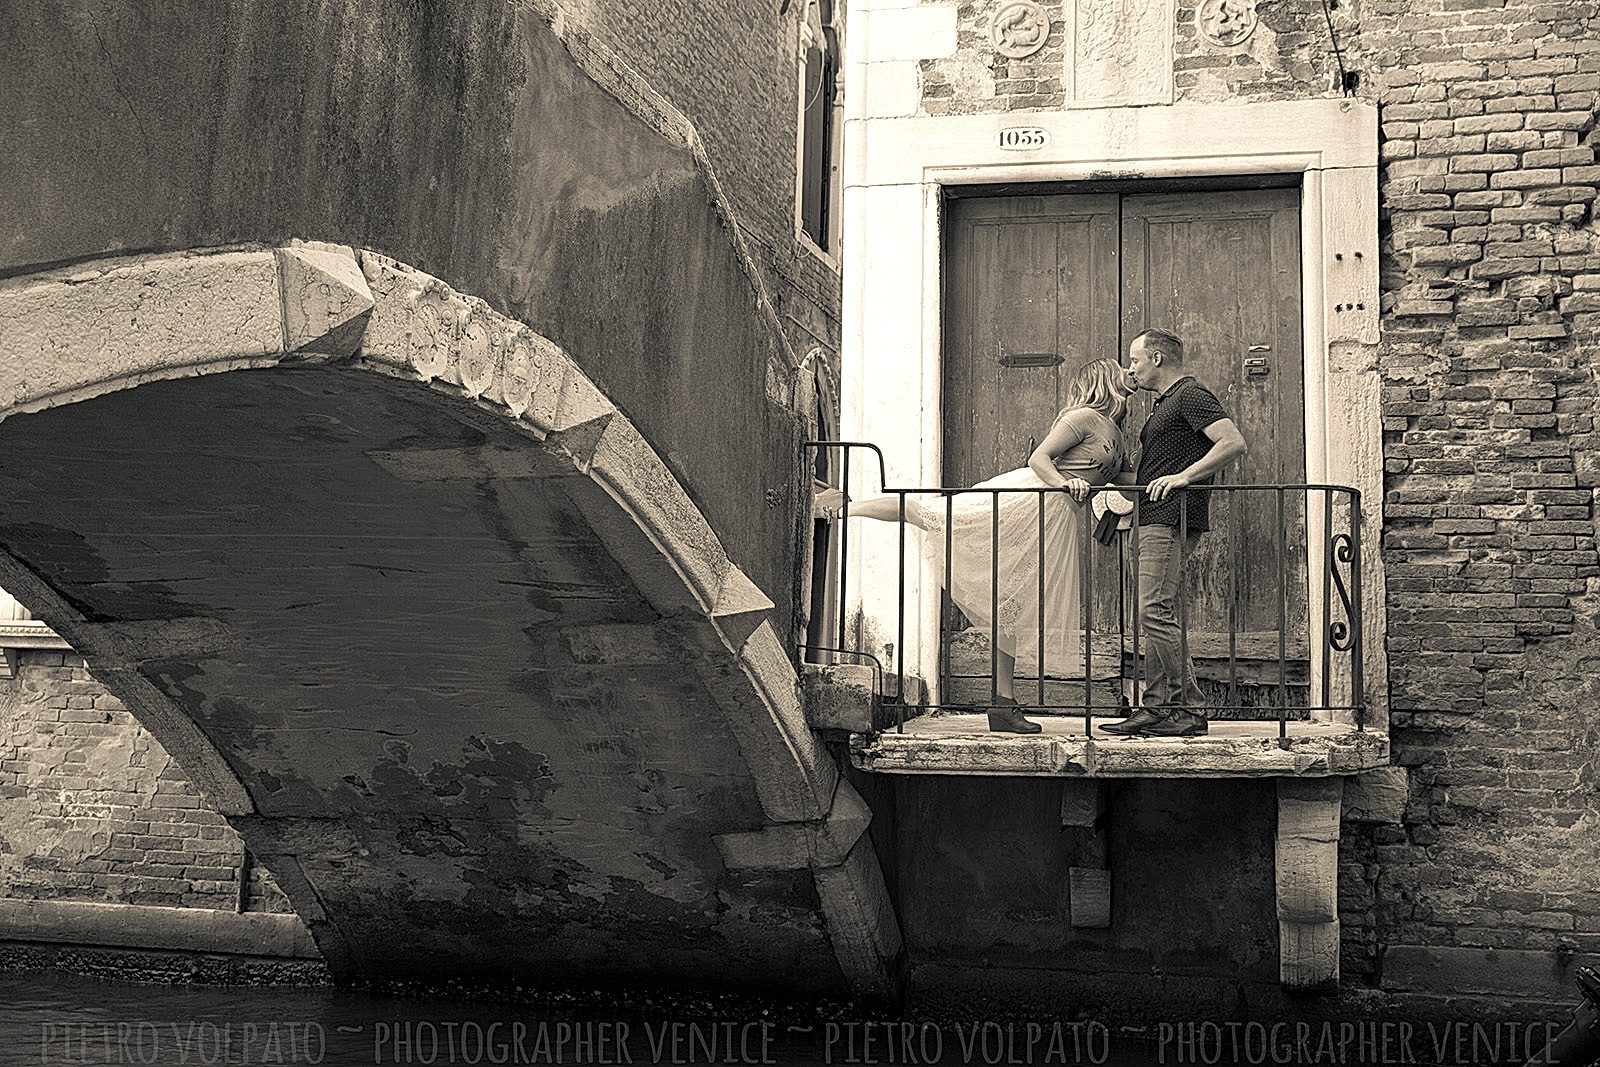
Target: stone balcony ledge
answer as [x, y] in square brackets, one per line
[957, 744]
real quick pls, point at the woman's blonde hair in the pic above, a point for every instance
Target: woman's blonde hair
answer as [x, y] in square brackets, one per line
[1101, 385]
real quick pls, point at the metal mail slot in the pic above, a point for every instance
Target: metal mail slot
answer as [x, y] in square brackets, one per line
[1031, 359]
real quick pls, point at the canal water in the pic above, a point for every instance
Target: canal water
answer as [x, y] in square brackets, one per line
[48, 1018]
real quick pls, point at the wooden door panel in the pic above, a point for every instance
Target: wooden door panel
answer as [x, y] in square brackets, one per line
[1025, 277]
[1222, 271]
[1077, 276]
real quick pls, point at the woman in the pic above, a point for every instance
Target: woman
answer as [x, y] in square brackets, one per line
[1084, 448]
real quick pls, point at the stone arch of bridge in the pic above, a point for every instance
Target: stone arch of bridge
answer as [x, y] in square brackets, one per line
[777, 871]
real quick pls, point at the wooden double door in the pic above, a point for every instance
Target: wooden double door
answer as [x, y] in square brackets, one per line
[1036, 286]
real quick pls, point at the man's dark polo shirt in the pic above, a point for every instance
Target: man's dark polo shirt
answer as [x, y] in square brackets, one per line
[1173, 437]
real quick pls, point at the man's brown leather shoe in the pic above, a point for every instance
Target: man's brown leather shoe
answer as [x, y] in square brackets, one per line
[1179, 723]
[1138, 722]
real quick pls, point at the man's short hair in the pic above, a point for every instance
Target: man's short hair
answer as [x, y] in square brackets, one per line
[1167, 344]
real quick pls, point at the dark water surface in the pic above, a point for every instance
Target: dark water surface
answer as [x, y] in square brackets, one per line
[49, 1018]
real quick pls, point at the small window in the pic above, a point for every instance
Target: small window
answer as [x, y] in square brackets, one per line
[818, 148]
[821, 578]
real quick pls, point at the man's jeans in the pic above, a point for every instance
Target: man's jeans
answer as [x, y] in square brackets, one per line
[1169, 674]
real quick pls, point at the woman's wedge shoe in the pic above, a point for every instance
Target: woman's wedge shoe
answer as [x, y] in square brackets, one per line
[1009, 720]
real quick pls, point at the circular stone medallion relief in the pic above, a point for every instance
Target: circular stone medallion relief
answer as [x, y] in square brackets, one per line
[1228, 22]
[1019, 29]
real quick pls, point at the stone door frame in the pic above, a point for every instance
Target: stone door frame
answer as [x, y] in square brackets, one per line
[896, 171]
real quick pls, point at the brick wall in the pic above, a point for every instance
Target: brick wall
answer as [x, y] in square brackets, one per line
[732, 68]
[1491, 274]
[977, 79]
[93, 809]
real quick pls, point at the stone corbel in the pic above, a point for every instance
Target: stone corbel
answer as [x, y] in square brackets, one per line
[1306, 866]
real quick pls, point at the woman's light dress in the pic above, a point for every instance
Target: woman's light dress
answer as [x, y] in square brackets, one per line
[1096, 458]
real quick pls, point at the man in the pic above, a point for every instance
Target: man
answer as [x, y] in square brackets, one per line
[1185, 441]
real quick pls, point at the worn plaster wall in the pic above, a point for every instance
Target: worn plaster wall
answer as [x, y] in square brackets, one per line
[732, 69]
[983, 872]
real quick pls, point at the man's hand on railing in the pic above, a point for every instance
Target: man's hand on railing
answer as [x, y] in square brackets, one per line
[1161, 488]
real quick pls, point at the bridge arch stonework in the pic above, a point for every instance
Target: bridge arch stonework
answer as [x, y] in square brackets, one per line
[259, 490]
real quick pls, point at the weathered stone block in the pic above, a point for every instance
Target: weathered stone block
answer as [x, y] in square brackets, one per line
[1307, 880]
[1083, 801]
[1309, 808]
[1089, 897]
[1308, 955]
[1561, 120]
[326, 300]
[826, 842]
[1526, 179]
[1424, 307]
[840, 697]
[1453, 255]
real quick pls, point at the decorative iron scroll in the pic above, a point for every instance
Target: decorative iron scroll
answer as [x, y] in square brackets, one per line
[1340, 636]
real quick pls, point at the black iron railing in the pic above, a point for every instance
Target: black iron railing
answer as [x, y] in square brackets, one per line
[1314, 529]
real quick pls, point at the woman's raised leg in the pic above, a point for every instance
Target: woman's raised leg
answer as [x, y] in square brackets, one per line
[883, 508]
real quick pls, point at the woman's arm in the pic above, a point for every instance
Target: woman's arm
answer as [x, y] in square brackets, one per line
[1062, 436]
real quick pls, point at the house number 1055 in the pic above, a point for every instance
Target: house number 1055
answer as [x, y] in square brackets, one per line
[1022, 138]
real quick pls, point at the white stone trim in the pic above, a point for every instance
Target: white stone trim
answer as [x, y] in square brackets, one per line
[893, 89]
[29, 633]
[925, 31]
[1110, 142]
[896, 169]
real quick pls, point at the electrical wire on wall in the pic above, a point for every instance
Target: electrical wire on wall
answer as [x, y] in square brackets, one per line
[1347, 79]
